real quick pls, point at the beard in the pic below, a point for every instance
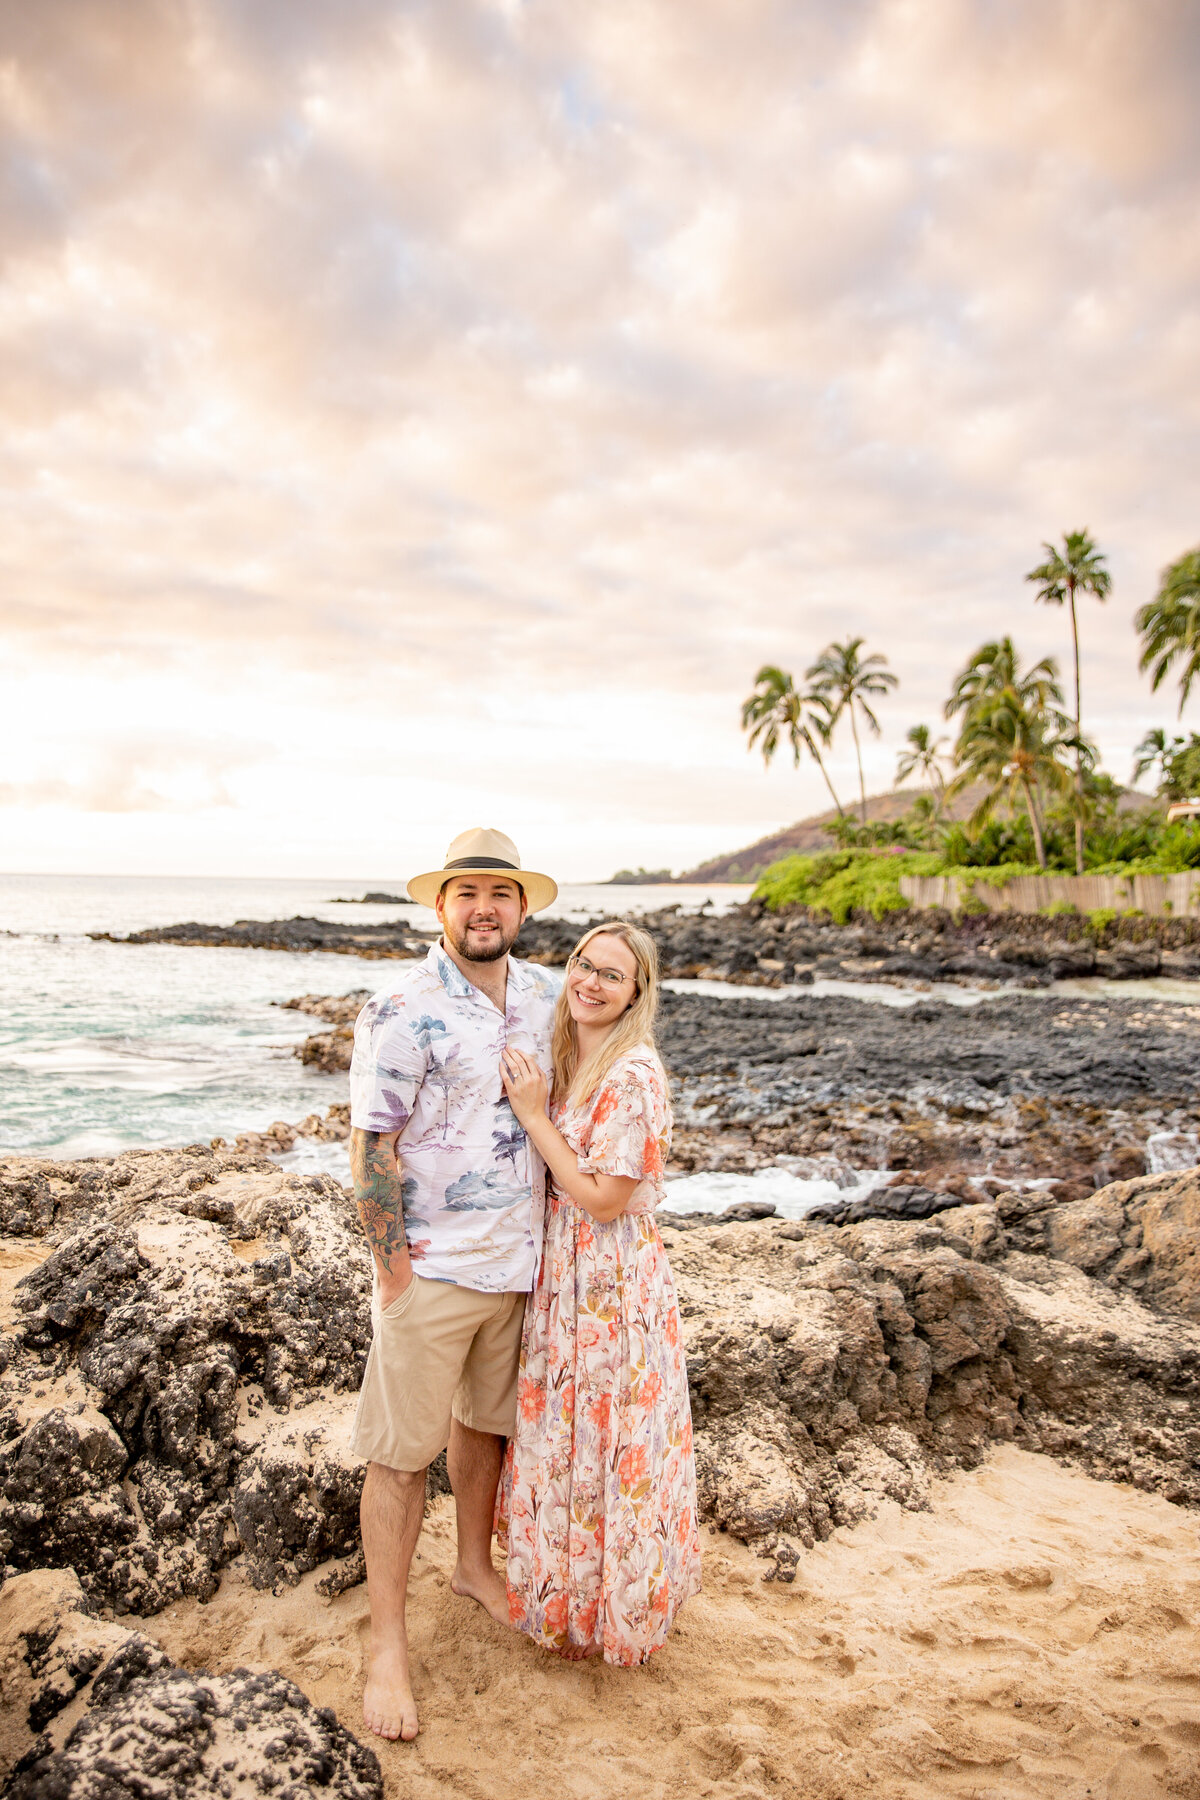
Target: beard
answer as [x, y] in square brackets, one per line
[495, 947]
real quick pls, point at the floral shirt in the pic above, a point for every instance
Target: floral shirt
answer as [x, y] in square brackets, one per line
[427, 1065]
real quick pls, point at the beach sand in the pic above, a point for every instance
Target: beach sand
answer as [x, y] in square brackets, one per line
[1036, 1633]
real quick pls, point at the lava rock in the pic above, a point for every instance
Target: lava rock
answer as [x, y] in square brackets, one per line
[834, 1366]
[150, 1728]
[181, 1392]
[151, 1354]
[1143, 1235]
[902, 1202]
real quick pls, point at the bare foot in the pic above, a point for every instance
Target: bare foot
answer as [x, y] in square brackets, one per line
[486, 1586]
[580, 1652]
[389, 1709]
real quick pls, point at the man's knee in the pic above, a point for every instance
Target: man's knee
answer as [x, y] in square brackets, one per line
[396, 1490]
[402, 1480]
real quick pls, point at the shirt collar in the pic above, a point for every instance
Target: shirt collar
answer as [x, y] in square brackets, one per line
[449, 974]
[456, 983]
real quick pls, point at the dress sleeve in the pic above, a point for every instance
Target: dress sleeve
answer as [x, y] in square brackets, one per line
[629, 1131]
[387, 1068]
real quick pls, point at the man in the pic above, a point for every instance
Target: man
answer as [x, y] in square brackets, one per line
[450, 1194]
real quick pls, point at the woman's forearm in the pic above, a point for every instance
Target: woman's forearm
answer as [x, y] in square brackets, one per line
[603, 1196]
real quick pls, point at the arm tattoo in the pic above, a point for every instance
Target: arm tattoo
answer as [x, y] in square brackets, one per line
[377, 1189]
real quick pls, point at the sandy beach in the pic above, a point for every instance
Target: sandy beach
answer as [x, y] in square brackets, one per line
[1036, 1632]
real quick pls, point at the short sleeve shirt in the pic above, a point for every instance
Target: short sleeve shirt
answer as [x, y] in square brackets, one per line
[625, 1127]
[426, 1065]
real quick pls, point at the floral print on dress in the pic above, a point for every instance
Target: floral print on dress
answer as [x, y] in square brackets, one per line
[598, 1496]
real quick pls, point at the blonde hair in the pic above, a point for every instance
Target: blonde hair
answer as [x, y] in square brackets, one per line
[574, 1081]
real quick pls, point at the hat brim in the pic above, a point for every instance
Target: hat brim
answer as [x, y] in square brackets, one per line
[540, 891]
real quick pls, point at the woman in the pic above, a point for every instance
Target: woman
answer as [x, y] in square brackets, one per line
[599, 1488]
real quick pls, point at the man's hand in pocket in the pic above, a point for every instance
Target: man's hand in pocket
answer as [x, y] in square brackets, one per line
[391, 1286]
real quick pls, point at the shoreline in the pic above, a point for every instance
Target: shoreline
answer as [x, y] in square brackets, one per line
[748, 946]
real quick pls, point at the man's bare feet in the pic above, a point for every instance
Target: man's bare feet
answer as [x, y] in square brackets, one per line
[485, 1585]
[389, 1709]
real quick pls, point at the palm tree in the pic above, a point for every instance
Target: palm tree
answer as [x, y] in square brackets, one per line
[996, 667]
[776, 709]
[1014, 753]
[845, 680]
[1077, 568]
[1154, 748]
[1170, 625]
[923, 757]
[1013, 731]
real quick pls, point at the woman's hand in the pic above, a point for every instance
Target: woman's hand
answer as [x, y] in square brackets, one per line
[524, 1084]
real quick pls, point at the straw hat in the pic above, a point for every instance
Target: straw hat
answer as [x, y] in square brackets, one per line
[482, 851]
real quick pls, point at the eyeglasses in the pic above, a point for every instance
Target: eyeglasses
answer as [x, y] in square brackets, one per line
[612, 978]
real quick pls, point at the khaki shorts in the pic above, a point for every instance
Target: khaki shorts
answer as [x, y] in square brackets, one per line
[439, 1350]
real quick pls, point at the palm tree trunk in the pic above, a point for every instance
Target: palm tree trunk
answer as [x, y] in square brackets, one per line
[824, 771]
[862, 789]
[1038, 844]
[1078, 746]
[939, 791]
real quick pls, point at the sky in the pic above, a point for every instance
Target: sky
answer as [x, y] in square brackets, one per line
[424, 415]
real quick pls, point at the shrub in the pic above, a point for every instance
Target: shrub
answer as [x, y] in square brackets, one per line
[839, 882]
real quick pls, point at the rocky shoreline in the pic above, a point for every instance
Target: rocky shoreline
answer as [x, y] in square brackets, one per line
[753, 947]
[184, 1332]
[960, 1101]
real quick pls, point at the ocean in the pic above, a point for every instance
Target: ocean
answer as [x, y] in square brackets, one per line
[104, 1046]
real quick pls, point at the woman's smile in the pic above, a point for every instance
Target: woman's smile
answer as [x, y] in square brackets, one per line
[594, 997]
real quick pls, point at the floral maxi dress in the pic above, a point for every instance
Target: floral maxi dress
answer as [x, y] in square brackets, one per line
[599, 1487]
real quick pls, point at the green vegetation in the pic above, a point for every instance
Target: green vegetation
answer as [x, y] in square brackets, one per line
[1170, 625]
[777, 711]
[1013, 738]
[640, 878]
[1118, 842]
[1041, 803]
[1076, 569]
[847, 682]
[1177, 760]
[839, 882]
[923, 758]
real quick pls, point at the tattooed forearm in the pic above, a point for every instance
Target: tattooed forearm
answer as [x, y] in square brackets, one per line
[377, 1188]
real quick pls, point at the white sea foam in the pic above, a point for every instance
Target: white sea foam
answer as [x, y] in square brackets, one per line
[1170, 1150]
[791, 1195]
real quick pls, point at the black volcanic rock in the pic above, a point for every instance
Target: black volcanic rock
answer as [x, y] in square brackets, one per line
[1019, 1086]
[148, 1728]
[753, 947]
[192, 1735]
[389, 938]
[152, 1418]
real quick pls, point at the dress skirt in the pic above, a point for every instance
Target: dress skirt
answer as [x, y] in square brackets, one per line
[598, 1495]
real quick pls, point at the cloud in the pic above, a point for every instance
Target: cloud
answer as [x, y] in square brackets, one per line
[429, 354]
[165, 772]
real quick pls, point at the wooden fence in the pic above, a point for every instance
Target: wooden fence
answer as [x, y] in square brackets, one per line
[1159, 896]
